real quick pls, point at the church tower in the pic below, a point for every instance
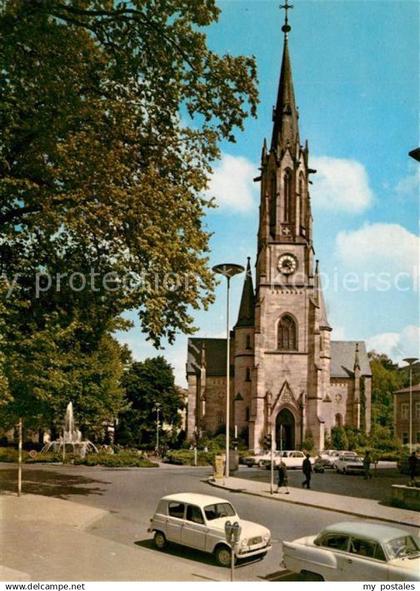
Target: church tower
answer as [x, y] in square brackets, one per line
[289, 379]
[292, 335]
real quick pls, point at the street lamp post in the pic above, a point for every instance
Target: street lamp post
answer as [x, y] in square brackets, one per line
[410, 361]
[157, 410]
[228, 270]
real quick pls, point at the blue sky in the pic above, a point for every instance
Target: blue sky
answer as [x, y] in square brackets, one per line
[356, 75]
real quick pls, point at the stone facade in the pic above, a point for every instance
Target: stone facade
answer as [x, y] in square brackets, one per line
[288, 378]
[402, 415]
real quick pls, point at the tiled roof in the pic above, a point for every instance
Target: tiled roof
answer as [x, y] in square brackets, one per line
[343, 356]
[415, 388]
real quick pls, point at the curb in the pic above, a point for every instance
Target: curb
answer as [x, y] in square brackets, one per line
[315, 506]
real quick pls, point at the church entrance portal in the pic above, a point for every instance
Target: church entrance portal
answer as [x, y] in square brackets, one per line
[285, 429]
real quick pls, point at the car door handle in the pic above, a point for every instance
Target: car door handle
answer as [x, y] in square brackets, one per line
[350, 561]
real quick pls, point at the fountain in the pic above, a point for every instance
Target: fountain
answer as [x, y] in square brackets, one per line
[71, 440]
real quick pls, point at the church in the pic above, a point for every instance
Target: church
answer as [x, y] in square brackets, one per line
[288, 377]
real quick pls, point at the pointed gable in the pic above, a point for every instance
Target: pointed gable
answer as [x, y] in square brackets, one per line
[246, 316]
[286, 128]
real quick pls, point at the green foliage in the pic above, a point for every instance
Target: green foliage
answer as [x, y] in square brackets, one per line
[9, 454]
[339, 438]
[147, 383]
[308, 443]
[355, 438]
[386, 379]
[381, 438]
[99, 172]
[118, 460]
[186, 457]
[48, 368]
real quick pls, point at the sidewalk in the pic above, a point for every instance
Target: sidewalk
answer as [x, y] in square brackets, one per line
[48, 539]
[358, 507]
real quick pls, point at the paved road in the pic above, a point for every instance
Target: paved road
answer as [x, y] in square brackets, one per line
[353, 485]
[131, 495]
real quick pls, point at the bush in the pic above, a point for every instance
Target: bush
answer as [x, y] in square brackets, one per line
[339, 438]
[10, 454]
[118, 460]
[186, 457]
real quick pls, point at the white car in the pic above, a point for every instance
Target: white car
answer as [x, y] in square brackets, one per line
[349, 464]
[256, 460]
[328, 457]
[292, 458]
[198, 521]
[341, 454]
[355, 551]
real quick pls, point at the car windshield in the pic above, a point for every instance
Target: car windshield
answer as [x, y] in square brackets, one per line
[219, 510]
[403, 546]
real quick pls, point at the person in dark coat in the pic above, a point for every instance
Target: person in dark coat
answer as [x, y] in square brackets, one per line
[366, 466]
[412, 465]
[282, 477]
[307, 470]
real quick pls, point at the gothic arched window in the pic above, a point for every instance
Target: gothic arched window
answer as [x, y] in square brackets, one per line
[248, 374]
[302, 201]
[273, 200]
[287, 334]
[287, 194]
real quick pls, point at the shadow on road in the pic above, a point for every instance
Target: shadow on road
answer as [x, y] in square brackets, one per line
[191, 554]
[50, 483]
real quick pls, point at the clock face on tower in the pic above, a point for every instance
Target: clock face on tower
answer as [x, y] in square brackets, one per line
[287, 264]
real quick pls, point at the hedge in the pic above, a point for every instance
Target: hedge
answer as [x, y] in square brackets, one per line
[121, 459]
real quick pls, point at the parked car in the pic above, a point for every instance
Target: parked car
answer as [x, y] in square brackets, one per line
[292, 458]
[198, 521]
[355, 551]
[256, 460]
[347, 454]
[349, 465]
[328, 456]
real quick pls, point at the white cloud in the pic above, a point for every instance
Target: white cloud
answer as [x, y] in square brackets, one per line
[409, 185]
[232, 183]
[397, 345]
[340, 185]
[380, 248]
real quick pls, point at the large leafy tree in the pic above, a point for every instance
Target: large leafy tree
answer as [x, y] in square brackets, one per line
[386, 379]
[111, 115]
[148, 383]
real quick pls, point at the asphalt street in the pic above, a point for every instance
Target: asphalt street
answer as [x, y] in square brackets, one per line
[131, 495]
[378, 487]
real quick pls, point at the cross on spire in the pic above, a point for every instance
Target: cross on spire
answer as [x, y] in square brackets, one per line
[286, 7]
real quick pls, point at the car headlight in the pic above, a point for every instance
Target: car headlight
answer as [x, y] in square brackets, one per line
[244, 542]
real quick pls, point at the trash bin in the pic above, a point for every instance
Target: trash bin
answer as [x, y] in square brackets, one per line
[219, 467]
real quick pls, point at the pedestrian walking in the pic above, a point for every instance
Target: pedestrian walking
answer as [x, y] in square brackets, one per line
[282, 479]
[412, 466]
[366, 466]
[307, 470]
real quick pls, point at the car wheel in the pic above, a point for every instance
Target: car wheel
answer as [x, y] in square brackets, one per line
[261, 464]
[223, 555]
[310, 576]
[262, 556]
[344, 471]
[159, 540]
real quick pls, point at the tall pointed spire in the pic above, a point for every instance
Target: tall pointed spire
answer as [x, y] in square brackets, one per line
[285, 116]
[356, 358]
[246, 317]
[323, 320]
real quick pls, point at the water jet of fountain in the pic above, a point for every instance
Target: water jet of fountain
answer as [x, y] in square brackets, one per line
[71, 437]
